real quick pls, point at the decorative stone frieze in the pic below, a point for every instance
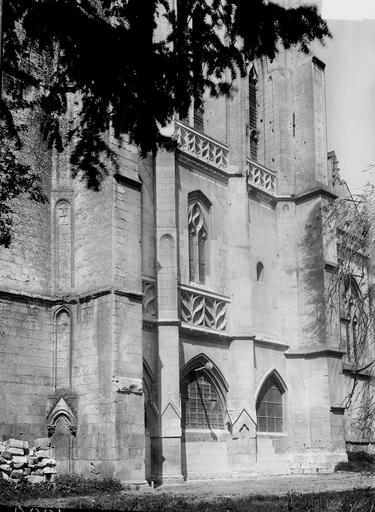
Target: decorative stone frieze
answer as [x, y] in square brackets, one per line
[202, 147]
[260, 178]
[203, 310]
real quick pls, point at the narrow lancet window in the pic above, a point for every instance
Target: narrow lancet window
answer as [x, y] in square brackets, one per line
[197, 244]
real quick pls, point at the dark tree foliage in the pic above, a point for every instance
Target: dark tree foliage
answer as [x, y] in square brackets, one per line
[135, 63]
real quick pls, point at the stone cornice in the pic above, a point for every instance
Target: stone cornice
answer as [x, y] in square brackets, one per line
[271, 343]
[128, 180]
[306, 196]
[196, 165]
[55, 300]
[314, 353]
[194, 331]
[349, 369]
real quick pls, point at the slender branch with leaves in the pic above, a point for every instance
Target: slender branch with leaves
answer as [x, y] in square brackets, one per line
[349, 228]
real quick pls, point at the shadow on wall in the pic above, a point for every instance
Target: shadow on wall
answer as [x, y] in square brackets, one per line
[311, 282]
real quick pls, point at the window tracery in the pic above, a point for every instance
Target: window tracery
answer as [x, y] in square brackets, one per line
[270, 413]
[202, 406]
[352, 314]
[197, 244]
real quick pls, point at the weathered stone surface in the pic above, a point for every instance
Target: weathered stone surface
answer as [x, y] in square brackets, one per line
[15, 451]
[38, 472]
[19, 459]
[6, 455]
[49, 462]
[42, 443]
[17, 465]
[34, 479]
[32, 461]
[27, 471]
[49, 470]
[4, 475]
[16, 443]
[42, 454]
[17, 473]
[5, 467]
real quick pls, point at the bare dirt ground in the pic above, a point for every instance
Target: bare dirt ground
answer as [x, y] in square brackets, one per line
[275, 485]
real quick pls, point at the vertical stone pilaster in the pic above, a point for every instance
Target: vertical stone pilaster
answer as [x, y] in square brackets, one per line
[242, 447]
[167, 445]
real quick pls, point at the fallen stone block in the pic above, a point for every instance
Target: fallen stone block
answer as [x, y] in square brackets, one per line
[38, 472]
[49, 462]
[19, 459]
[16, 443]
[42, 454]
[17, 465]
[34, 479]
[6, 468]
[49, 470]
[16, 474]
[15, 451]
[42, 443]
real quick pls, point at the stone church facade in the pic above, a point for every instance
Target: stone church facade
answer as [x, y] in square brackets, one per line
[173, 325]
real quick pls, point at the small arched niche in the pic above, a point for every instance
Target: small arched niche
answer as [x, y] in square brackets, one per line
[260, 272]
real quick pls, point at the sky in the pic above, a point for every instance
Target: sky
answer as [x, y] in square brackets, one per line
[348, 9]
[350, 87]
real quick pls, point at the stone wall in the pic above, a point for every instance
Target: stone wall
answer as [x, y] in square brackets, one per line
[34, 464]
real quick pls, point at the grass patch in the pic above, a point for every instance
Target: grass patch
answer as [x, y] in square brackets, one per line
[358, 500]
[62, 486]
[358, 462]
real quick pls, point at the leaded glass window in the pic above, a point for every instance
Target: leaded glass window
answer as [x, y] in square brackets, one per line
[202, 406]
[270, 407]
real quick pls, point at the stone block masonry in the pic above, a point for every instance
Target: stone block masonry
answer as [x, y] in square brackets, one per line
[19, 462]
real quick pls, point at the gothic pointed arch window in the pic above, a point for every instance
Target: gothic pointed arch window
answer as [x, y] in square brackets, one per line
[352, 316]
[203, 394]
[199, 207]
[270, 405]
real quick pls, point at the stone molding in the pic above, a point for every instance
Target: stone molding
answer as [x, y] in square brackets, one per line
[201, 146]
[203, 309]
[55, 300]
[260, 178]
[61, 408]
[314, 354]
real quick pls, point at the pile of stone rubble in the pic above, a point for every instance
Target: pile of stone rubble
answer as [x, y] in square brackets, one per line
[18, 461]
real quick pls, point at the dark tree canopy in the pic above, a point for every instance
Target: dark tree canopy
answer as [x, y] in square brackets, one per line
[130, 74]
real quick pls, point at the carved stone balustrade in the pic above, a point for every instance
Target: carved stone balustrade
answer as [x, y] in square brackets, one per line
[202, 147]
[149, 306]
[203, 310]
[260, 178]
